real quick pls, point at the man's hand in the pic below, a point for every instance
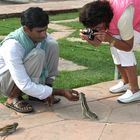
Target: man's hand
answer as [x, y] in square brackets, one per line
[70, 94]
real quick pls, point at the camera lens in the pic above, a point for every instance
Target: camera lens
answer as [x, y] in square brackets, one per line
[90, 32]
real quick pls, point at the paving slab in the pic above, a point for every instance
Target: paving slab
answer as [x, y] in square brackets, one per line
[65, 120]
[62, 130]
[121, 131]
[52, 7]
[66, 65]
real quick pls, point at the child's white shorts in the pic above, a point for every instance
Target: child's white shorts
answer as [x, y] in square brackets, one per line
[124, 58]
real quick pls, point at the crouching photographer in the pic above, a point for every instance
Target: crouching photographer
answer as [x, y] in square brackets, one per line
[119, 25]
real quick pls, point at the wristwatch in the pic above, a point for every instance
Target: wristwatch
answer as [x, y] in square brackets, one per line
[113, 41]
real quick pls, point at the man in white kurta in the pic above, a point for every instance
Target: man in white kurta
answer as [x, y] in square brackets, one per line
[29, 61]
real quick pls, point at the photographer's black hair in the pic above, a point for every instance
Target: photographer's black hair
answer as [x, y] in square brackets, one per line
[34, 17]
[96, 12]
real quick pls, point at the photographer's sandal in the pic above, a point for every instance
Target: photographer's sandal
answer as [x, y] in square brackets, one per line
[20, 106]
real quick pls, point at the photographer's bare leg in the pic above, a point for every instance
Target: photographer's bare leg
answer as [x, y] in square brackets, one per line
[123, 74]
[131, 73]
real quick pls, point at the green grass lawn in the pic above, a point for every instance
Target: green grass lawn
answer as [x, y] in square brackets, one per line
[98, 61]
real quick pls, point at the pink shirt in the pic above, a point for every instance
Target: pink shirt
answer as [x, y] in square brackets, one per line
[119, 7]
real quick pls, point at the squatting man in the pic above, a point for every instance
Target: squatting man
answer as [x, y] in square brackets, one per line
[29, 63]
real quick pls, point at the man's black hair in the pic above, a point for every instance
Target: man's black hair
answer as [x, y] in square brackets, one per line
[96, 12]
[34, 17]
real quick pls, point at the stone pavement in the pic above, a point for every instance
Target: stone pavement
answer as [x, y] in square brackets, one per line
[64, 121]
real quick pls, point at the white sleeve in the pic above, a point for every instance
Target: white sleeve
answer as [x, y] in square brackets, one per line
[125, 23]
[13, 57]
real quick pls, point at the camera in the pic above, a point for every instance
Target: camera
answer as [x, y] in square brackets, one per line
[90, 32]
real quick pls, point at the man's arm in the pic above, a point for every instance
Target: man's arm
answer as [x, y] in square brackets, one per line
[13, 56]
[70, 94]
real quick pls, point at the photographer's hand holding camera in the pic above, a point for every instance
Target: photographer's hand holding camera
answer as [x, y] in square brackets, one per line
[95, 42]
[95, 36]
